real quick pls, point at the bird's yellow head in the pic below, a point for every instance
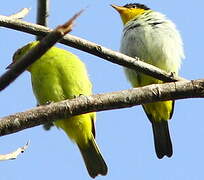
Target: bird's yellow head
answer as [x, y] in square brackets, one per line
[22, 51]
[130, 11]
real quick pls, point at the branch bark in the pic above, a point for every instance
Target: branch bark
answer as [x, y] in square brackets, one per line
[92, 48]
[82, 104]
[13, 155]
[21, 14]
[42, 14]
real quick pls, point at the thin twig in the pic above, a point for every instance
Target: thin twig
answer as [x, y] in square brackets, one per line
[92, 48]
[67, 27]
[42, 14]
[83, 104]
[21, 14]
[42, 19]
[14, 155]
[30, 57]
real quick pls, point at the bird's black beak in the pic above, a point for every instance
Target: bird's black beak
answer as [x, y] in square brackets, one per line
[10, 65]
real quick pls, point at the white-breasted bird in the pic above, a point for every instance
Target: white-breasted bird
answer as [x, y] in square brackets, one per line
[153, 38]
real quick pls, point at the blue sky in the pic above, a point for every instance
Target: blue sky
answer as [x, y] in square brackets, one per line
[125, 135]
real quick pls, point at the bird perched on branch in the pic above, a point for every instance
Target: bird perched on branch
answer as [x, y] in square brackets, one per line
[60, 75]
[153, 38]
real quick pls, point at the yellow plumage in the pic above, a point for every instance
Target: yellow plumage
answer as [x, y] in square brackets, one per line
[60, 75]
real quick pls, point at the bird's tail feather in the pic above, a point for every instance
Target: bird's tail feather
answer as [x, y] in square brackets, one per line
[93, 159]
[162, 140]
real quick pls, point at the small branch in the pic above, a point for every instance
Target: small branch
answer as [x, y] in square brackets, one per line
[14, 155]
[21, 14]
[42, 14]
[67, 27]
[30, 57]
[101, 102]
[92, 48]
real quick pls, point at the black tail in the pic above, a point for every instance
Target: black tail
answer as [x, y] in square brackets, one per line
[93, 159]
[162, 140]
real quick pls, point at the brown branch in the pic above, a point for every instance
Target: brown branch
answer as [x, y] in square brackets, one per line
[14, 155]
[30, 57]
[67, 27]
[21, 14]
[42, 14]
[92, 48]
[100, 102]
[42, 19]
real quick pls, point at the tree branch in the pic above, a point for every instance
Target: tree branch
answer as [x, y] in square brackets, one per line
[14, 155]
[30, 57]
[100, 102]
[42, 19]
[21, 14]
[42, 14]
[92, 48]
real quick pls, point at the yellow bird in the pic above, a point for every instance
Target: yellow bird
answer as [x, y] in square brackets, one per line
[60, 75]
[152, 37]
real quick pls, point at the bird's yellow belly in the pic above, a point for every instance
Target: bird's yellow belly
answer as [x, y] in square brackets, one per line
[78, 128]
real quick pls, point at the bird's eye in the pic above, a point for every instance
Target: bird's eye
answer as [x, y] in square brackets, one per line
[134, 6]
